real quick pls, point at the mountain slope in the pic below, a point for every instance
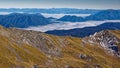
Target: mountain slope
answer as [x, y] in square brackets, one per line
[70, 18]
[86, 31]
[22, 20]
[109, 40]
[27, 49]
[101, 15]
[105, 15]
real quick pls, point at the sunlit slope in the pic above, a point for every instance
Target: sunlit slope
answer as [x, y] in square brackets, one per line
[27, 49]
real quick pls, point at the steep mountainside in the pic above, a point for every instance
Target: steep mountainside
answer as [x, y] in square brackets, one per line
[109, 40]
[22, 20]
[82, 32]
[28, 49]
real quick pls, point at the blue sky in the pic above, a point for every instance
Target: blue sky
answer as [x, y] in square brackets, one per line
[82, 4]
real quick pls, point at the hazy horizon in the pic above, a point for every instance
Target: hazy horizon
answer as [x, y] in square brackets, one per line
[65, 8]
[79, 4]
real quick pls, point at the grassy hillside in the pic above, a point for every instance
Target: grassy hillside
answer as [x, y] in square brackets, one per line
[28, 49]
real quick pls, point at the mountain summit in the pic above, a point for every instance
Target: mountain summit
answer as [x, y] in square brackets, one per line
[109, 40]
[71, 18]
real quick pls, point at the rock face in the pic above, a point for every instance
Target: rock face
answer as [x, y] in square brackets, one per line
[30, 49]
[105, 39]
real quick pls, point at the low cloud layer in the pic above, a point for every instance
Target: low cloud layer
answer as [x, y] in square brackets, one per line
[67, 25]
[61, 15]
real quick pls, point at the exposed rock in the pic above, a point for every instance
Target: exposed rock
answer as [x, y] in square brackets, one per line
[105, 39]
[86, 57]
[97, 66]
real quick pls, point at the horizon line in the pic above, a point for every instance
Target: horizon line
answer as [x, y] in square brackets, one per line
[64, 8]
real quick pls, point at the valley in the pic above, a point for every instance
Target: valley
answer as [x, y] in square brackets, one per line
[59, 38]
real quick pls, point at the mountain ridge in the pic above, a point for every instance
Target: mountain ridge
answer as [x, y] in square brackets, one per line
[71, 18]
[86, 31]
[51, 10]
[22, 20]
[105, 15]
[99, 16]
[106, 39]
[22, 48]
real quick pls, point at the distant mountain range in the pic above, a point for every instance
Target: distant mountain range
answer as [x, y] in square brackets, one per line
[22, 20]
[52, 10]
[82, 32]
[105, 15]
[102, 15]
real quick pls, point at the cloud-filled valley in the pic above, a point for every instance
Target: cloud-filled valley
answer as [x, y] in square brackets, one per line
[61, 15]
[67, 25]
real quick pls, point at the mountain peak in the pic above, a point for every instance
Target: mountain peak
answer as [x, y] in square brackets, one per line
[71, 18]
[105, 39]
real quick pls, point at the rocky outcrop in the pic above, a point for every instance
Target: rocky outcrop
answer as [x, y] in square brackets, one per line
[105, 39]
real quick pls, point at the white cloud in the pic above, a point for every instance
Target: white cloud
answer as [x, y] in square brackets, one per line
[67, 25]
[4, 13]
[61, 15]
